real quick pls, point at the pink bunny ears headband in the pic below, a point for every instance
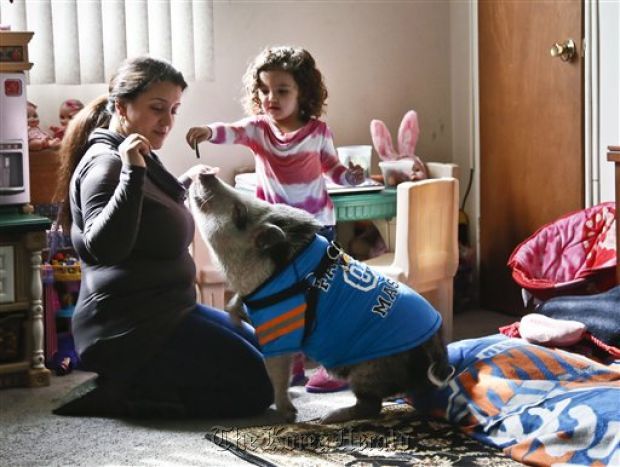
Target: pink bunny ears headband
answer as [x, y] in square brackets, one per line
[408, 133]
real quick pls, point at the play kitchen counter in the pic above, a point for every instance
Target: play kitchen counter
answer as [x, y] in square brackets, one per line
[22, 238]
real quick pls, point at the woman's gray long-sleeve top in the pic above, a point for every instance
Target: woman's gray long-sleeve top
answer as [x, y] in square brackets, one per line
[131, 231]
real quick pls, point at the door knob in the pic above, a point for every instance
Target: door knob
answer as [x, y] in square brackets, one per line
[566, 50]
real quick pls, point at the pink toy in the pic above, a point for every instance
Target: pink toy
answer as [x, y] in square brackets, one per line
[67, 110]
[574, 255]
[540, 329]
[37, 138]
[408, 133]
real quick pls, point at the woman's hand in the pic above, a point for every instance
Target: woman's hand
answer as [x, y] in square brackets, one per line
[354, 174]
[134, 149]
[198, 134]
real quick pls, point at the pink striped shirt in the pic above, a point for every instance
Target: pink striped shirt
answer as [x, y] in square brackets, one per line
[289, 166]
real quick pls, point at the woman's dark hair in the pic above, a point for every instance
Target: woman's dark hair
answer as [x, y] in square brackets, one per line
[134, 77]
[301, 65]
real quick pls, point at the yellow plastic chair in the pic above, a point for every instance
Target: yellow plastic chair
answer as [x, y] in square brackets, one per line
[426, 255]
[442, 170]
[387, 228]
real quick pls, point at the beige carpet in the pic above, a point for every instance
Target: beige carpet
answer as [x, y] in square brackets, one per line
[30, 435]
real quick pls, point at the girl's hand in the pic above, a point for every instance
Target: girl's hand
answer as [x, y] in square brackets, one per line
[354, 174]
[198, 134]
[134, 149]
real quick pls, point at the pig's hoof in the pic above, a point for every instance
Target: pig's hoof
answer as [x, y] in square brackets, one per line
[288, 416]
[288, 412]
[348, 413]
[337, 416]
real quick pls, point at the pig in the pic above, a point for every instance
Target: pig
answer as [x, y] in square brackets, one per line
[272, 257]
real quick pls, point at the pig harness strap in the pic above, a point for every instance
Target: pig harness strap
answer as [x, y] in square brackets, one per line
[307, 285]
[360, 314]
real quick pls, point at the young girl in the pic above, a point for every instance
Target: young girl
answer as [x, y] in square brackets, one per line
[285, 96]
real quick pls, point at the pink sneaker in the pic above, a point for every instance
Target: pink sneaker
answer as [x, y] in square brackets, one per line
[321, 382]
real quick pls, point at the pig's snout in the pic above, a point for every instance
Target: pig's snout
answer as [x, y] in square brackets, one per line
[206, 186]
[207, 177]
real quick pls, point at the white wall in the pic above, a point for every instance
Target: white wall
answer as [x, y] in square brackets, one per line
[609, 99]
[462, 83]
[379, 59]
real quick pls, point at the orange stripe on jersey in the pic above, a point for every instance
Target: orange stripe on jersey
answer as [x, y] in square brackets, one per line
[281, 318]
[265, 338]
[281, 325]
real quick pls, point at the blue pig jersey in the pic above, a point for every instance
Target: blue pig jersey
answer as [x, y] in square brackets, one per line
[360, 314]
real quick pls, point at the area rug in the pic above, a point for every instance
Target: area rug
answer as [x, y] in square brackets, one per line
[401, 437]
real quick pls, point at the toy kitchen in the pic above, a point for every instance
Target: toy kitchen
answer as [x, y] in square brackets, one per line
[14, 173]
[22, 233]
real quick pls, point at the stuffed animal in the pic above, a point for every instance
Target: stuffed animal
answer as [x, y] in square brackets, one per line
[408, 133]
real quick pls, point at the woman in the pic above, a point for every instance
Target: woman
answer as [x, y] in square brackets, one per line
[137, 323]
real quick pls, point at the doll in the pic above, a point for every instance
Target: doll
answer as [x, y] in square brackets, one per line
[67, 110]
[37, 138]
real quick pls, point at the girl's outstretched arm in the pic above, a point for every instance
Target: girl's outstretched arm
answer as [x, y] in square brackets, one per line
[198, 134]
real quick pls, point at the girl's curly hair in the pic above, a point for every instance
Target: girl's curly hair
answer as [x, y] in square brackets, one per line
[301, 65]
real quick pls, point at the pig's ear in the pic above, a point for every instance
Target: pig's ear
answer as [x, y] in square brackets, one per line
[272, 242]
[268, 236]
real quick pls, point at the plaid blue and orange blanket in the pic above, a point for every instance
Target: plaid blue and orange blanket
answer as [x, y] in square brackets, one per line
[542, 406]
